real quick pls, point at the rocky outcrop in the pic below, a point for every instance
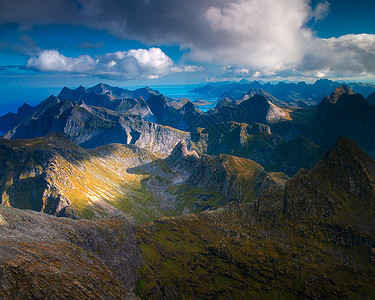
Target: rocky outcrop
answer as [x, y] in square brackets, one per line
[185, 182]
[259, 109]
[339, 189]
[47, 257]
[341, 90]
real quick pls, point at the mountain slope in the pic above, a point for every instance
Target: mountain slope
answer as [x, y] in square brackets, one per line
[257, 109]
[54, 175]
[258, 143]
[166, 112]
[340, 190]
[44, 257]
[186, 183]
[313, 238]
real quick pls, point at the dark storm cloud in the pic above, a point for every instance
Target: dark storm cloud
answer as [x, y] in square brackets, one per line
[43, 12]
[160, 21]
[262, 37]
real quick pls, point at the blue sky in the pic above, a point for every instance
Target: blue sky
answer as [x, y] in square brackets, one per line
[46, 45]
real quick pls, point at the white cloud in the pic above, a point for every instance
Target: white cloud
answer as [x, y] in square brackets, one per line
[52, 60]
[149, 62]
[262, 34]
[131, 64]
[347, 55]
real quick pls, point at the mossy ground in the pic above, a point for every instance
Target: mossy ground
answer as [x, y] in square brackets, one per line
[203, 258]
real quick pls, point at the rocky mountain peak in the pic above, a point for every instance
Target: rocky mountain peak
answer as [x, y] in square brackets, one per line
[181, 158]
[100, 88]
[75, 95]
[188, 108]
[340, 184]
[336, 94]
[259, 109]
[347, 163]
[224, 102]
[157, 105]
[180, 151]
[25, 109]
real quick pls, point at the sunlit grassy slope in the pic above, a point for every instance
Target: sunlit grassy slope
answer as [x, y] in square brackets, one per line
[54, 175]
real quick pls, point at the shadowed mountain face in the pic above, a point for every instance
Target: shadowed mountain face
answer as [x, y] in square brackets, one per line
[44, 257]
[55, 176]
[346, 114]
[256, 142]
[288, 244]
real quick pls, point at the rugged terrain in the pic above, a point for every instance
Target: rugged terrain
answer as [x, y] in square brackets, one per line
[313, 238]
[256, 125]
[45, 257]
[54, 175]
[91, 126]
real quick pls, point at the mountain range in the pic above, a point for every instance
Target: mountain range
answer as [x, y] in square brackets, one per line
[296, 94]
[258, 126]
[116, 194]
[55, 176]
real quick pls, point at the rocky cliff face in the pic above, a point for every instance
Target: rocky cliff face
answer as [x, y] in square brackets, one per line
[92, 126]
[45, 257]
[184, 117]
[312, 238]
